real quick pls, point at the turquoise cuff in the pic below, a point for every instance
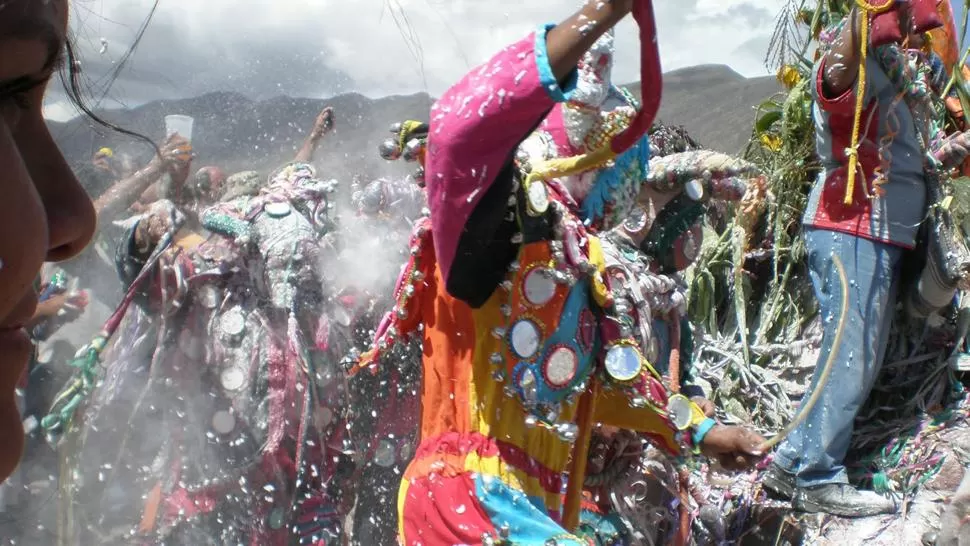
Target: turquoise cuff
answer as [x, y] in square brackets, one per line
[701, 431]
[546, 78]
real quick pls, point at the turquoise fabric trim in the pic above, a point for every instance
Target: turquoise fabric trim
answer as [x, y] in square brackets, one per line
[529, 525]
[549, 83]
[618, 186]
[566, 334]
[702, 430]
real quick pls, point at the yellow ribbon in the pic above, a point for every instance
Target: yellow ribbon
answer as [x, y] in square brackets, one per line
[867, 11]
[567, 166]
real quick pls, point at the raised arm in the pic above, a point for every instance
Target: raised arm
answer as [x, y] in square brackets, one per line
[126, 192]
[321, 126]
[478, 124]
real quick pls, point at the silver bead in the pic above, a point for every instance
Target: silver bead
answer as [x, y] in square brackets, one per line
[496, 359]
[531, 421]
[498, 333]
[517, 239]
[505, 531]
[514, 266]
[389, 150]
[506, 310]
[402, 313]
[498, 376]
[417, 276]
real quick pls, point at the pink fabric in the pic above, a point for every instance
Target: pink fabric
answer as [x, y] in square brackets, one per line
[474, 130]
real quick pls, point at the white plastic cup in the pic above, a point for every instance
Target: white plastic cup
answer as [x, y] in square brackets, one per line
[179, 124]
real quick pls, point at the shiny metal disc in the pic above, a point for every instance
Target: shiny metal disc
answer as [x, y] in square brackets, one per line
[527, 382]
[623, 362]
[233, 323]
[538, 197]
[223, 422]
[695, 190]
[637, 220]
[232, 379]
[561, 366]
[679, 411]
[524, 339]
[539, 287]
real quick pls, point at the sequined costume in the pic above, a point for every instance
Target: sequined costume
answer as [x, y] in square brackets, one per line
[507, 290]
[644, 256]
[218, 415]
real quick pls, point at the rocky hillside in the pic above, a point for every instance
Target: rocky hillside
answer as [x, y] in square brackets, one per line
[713, 102]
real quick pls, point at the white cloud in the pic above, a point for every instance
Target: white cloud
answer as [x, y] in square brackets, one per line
[375, 47]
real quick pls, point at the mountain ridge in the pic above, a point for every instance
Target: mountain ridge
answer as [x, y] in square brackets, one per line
[713, 102]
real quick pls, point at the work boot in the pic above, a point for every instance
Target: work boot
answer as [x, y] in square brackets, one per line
[779, 482]
[841, 499]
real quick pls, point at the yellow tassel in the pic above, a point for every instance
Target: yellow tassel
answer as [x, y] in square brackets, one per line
[867, 11]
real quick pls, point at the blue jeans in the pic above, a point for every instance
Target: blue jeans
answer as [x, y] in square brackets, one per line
[816, 449]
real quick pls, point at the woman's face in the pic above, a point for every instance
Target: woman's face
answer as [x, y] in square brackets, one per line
[44, 213]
